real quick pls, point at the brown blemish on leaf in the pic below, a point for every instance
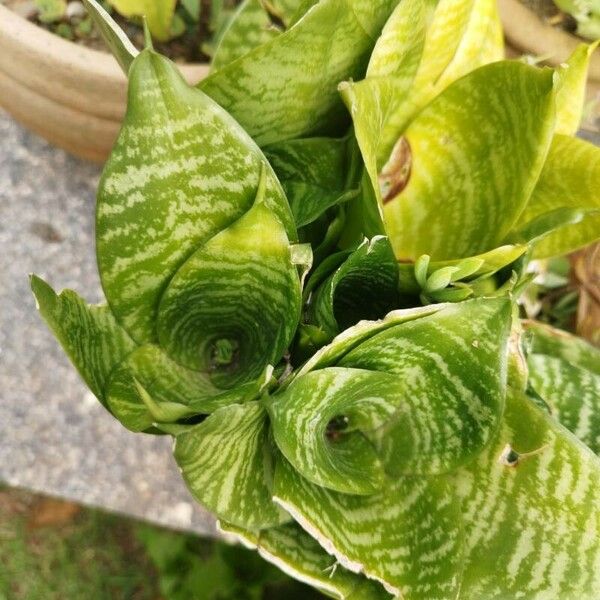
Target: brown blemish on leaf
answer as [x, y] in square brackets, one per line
[395, 175]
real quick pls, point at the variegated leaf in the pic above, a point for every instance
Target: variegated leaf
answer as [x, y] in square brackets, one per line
[420, 397]
[233, 307]
[286, 88]
[119, 44]
[176, 392]
[569, 180]
[329, 355]
[296, 553]
[461, 193]
[226, 462]
[90, 335]
[560, 344]
[364, 286]
[570, 92]
[182, 170]
[463, 35]
[572, 393]
[255, 23]
[530, 511]
[565, 371]
[452, 369]
[408, 537]
[423, 48]
[304, 421]
[316, 174]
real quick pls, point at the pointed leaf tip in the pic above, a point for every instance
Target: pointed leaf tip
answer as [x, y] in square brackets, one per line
[114, 37]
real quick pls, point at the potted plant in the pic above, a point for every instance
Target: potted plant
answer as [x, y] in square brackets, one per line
[529, 32]
[315, 265]
[74, 94]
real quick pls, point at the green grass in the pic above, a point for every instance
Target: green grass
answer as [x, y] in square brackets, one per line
[94, 555]
[57, 551]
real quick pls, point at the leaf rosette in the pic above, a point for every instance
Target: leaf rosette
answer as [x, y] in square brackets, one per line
[312, 263]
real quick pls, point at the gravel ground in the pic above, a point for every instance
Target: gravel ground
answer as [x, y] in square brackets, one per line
[55, 438]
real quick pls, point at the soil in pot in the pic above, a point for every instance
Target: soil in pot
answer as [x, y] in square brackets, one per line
[193, 40]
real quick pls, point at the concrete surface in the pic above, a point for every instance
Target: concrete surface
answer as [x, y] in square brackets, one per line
[55, 438]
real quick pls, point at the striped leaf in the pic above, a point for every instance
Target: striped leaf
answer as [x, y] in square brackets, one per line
[91, 337]
[463, 35]
[364, 286]
[305, 426]
[117, 41]
[423, 48]
[296, 553]
[465, 192]
[420, 397]
[570, 180]
[234, 306]
[178, 392]
[560, 344]
[287, 88]
[565, 371]
[572, 393]
[452, 369]
[570, 91]
[254, 23]
[409, 537]
[352, 337]
[182, 170]
[226, 462]
[530, 512]
[316, 174]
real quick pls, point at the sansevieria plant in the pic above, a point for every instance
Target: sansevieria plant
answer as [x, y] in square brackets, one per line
[313, 262]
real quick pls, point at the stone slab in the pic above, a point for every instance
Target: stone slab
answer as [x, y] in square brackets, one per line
[55, 437]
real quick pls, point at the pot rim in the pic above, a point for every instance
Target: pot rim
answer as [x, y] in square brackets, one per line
[71, 74]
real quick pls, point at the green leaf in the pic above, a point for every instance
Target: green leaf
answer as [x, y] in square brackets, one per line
[182, 391]
[429, 398]
[565, 371]
[530, 511]
[568, 181]
[454, 203]
[423, 48]
[570, 90]
[305, 429]
[572, 393]
[329, 355]
[233, 307]
[451, 367]
[116, 40]
[182, 170]
[90, 335]
[300, 556]
[364, 286]
[226, 462]
[560, 344]
[286, 88]
[255, 23]
[158, 14]
[489, 263]
[408, 537]
[314, 174]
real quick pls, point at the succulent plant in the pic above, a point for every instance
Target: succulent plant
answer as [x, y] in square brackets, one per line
[313, 263]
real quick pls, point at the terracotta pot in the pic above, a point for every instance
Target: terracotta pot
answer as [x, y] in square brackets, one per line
[71, 95]
[528, 34]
